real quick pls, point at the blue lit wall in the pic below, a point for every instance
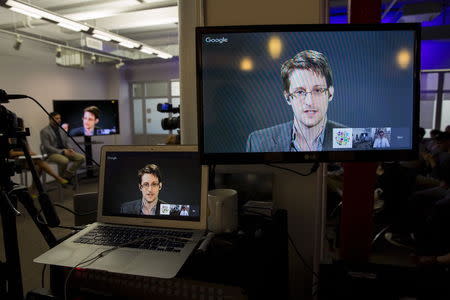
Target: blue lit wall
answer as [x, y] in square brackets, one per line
[435, 54]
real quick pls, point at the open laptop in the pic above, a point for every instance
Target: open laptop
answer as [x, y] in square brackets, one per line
[128, 182]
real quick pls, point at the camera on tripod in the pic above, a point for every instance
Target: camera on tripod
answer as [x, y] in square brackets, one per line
[169, 123]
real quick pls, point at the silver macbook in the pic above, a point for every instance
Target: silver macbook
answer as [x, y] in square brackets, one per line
[151, 213]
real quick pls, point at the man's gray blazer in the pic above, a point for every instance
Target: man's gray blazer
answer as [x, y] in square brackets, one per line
[278, 138]
[49, 140]
[135, 207]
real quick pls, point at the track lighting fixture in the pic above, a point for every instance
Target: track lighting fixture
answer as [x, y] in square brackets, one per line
[119, 64]
[36, 12]
[58, 51]
[18, 42]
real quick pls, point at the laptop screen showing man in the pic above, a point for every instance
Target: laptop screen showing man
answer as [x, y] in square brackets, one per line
[152, 185]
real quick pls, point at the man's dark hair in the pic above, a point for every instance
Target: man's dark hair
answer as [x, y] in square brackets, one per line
[434, 132]
[53, 114]
[442, 136]
[149, 169]
[421, 132]
[310, 60]
[93, 110]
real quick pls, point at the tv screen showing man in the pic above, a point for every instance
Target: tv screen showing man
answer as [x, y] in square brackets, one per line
[308, 89]
[91, 117]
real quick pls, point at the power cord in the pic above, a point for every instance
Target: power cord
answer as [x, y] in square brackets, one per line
[39, 220]
[42, 276]
[59, 125]
[89, 261]
[75, 213]
[302, 258]
[314, 168]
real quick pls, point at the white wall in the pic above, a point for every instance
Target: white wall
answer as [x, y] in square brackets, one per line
[32, 71]
[300, 196]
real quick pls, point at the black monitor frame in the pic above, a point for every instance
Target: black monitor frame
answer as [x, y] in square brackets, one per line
[305, 157]
[91, 102]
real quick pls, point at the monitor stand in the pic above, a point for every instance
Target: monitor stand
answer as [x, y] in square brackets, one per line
[88, 152]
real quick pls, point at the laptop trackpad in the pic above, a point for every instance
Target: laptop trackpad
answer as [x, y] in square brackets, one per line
[117, 259]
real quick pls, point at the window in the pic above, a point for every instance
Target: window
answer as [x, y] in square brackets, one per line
[145, 98]
[434, 100]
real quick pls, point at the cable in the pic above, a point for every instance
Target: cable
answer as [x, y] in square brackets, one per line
[104, 252]
[39, 220]
[42, 276]
[314, 168]
[75, 213]
[59, 125]
[302, 259]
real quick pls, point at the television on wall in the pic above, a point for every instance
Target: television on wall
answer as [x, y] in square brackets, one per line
[304, 93]
[88, 117]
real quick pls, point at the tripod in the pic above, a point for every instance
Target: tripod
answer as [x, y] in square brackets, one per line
[10, 193]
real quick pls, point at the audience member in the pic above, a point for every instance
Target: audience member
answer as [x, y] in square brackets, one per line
[431, 146]
[55, 143]
[40, 166]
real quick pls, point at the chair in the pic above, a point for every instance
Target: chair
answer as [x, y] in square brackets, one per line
[44, 175]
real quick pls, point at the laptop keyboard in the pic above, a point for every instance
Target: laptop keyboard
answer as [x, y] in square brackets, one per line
[142, 238]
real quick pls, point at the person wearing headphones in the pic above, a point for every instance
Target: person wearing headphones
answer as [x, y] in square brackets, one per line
[308, 89]
[150, 184]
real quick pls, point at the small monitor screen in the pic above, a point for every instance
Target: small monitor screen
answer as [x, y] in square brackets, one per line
[88, 117]
[300, 93]
[150, 185]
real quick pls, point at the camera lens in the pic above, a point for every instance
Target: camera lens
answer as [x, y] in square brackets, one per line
[170, 123]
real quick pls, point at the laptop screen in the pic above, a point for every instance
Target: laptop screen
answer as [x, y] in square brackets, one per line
[158, 185]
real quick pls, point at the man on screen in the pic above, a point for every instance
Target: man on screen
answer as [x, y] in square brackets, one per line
[90, 120]
[150, 183]
[381, 141]
[308, 89]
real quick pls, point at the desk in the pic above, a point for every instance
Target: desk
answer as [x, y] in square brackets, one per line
[251, 264]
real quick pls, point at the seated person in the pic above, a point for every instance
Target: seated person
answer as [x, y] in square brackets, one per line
[40, 166]
[150, 184]
[90, 120]
[55, 144]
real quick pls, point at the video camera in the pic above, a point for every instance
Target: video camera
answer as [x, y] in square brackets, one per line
[10, 127]
[169, 123]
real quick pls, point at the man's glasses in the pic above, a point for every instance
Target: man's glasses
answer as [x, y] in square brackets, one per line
[316, 93]
[152, 185]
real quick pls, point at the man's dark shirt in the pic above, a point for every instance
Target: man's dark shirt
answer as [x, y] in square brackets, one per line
[59, 143]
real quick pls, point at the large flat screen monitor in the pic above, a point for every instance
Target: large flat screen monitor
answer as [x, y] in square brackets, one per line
[300, 93]
[88, 117]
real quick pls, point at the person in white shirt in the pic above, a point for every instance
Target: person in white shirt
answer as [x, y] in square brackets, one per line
[381, 141]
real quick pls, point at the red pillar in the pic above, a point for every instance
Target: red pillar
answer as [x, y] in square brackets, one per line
[359, 178]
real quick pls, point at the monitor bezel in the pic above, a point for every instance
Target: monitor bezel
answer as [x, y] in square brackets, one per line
[306, 157]
[93, 101]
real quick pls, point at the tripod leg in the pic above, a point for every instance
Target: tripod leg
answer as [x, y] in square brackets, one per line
[11, 268]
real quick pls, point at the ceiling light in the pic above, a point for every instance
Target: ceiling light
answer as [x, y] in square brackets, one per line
[24, 12]
[73, 26]
[39, 13]
[105, 36]
[58, 51]
[148, 50]
[119, 64]
[18, 43]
